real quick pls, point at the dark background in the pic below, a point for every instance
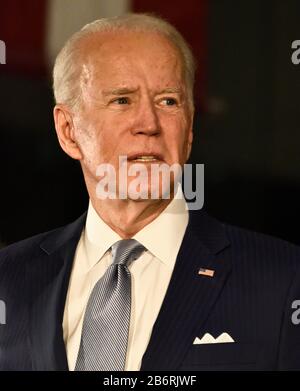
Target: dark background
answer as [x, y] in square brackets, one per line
[246, 127]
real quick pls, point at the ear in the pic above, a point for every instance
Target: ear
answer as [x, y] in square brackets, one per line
[65, 131]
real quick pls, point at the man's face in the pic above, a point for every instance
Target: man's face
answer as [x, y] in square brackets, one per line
[134, 103]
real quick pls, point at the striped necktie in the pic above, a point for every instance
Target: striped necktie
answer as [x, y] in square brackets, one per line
[105, 328]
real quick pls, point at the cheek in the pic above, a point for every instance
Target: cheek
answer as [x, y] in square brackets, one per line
[177, 134]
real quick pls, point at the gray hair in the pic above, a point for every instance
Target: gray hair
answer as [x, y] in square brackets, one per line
[66, 71]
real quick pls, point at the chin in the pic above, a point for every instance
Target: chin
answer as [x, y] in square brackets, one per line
[151, 193]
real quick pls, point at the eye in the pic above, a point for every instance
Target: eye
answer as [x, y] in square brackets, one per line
[121, 101]
[169, 102]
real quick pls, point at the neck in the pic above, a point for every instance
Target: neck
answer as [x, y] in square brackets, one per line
[127, 217]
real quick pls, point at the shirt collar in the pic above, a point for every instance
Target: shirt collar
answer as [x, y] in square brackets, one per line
[162, 237]
[98, 237]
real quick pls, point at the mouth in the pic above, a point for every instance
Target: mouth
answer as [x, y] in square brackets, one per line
[145, 158]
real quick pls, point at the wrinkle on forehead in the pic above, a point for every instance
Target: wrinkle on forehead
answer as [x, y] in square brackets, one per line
[108, 53]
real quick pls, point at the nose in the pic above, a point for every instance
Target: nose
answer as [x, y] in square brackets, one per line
[146, 121]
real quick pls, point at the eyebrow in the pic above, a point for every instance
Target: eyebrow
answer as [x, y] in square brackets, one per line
[171, 90]
[127, 91]
[119, 91]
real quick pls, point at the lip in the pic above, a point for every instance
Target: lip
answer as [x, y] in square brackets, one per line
[134, 156]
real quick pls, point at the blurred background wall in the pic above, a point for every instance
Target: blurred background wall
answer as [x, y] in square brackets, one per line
[246, 126]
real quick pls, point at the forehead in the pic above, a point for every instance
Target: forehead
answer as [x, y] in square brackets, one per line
[126, 56]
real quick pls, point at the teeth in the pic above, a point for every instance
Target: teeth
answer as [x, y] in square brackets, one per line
[145, 159]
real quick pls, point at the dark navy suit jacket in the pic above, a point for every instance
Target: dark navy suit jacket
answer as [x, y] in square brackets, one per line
[250, 296]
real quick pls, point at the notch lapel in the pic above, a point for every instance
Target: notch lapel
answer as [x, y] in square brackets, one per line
[48, 276]
[190, 296]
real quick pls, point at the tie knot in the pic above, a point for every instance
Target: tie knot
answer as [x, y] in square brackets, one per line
[125, 251]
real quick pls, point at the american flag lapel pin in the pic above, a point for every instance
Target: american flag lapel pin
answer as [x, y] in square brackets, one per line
[206, 272]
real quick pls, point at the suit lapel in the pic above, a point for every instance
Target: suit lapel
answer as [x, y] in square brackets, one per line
[48, 277]
[190, 296]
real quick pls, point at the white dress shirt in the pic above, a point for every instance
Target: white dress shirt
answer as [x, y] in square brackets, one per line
[150, 276]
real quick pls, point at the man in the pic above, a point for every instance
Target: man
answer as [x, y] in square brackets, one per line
[140, 283]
